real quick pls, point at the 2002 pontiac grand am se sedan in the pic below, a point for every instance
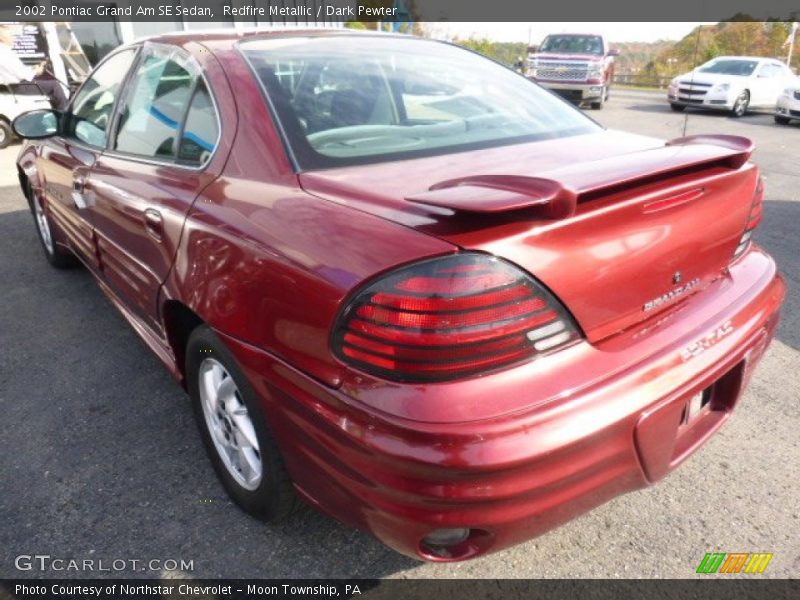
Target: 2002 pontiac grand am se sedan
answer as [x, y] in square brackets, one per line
[405, 283]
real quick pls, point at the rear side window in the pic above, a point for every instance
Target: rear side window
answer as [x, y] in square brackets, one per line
[156, 102]
[167, 112]
[772, 71]
[201, 129]
[91, 110]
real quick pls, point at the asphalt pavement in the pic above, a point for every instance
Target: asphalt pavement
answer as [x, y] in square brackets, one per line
[101, 460]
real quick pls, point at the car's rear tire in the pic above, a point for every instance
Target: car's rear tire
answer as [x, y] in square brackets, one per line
[677, 107]
[6, 134]
[55, 254]
[782, 120]
[740, 106]
[236, 435]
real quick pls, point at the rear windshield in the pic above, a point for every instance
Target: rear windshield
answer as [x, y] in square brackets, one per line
[345, 100]
[730, 67]
[573, 44]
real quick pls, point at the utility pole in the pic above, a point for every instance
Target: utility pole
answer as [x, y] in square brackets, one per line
[791, 44]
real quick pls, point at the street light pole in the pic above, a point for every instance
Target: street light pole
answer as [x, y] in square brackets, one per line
[791, 44]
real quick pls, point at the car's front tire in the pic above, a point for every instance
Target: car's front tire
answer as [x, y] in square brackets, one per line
[57, 256]
[236, 435]
[741, 104]
[677, 107]
[782, 120]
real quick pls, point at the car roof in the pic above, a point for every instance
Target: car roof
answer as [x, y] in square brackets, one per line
[755, 58]
[234, 35]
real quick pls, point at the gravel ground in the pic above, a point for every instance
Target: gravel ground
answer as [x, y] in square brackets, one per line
[100, 458]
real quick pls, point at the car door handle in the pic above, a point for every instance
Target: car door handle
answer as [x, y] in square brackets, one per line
[78, 192]
[154, 223]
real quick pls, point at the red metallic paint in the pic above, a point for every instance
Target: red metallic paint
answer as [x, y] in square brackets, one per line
[267, 258]
[619, 232]
[136, 259]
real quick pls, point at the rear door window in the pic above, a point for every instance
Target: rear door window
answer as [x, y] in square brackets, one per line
[770, 71]
[201, 130]
[157, 98]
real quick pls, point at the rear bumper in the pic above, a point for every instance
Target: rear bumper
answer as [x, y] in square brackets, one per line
[615, 425]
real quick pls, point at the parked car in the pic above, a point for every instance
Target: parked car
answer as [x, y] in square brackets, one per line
[788, 105]
[578, 66]
[15, 100]
[404, 283]
[731, 83]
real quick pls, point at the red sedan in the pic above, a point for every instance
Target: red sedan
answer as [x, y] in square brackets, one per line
[404, 283]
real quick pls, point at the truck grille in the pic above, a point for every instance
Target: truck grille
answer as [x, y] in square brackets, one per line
[562, 71]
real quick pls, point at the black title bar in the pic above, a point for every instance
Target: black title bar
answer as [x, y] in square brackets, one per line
[707, 588]
[313, 11]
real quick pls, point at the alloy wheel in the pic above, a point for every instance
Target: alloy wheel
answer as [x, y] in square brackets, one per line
[229, 424]
[43, 225]
[740, 107]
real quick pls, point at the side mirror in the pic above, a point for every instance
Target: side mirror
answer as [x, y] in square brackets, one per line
[613, 52]
[36, 124]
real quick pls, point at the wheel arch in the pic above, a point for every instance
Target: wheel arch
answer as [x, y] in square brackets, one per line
[179, 322]
[25, 185]
[23, 179]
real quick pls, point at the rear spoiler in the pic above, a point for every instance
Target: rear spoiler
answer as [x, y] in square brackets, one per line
[501, 193]
[556, 196]
[741, 147]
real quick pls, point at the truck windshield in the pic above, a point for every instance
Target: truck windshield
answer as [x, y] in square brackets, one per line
[573, 44]
[353, 99]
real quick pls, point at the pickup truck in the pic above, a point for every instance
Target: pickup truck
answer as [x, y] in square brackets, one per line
[577, 66]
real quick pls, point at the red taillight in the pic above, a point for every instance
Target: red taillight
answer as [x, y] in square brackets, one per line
[450, 317]
[753, 219]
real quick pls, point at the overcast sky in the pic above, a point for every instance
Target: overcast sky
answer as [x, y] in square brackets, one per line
[534, 32]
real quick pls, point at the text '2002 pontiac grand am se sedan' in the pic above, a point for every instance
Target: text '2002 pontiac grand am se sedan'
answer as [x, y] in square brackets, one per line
[404, 283]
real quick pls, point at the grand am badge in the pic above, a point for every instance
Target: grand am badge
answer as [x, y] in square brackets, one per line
[671, 295]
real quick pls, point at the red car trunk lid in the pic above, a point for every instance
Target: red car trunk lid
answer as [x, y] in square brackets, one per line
[619, 227]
